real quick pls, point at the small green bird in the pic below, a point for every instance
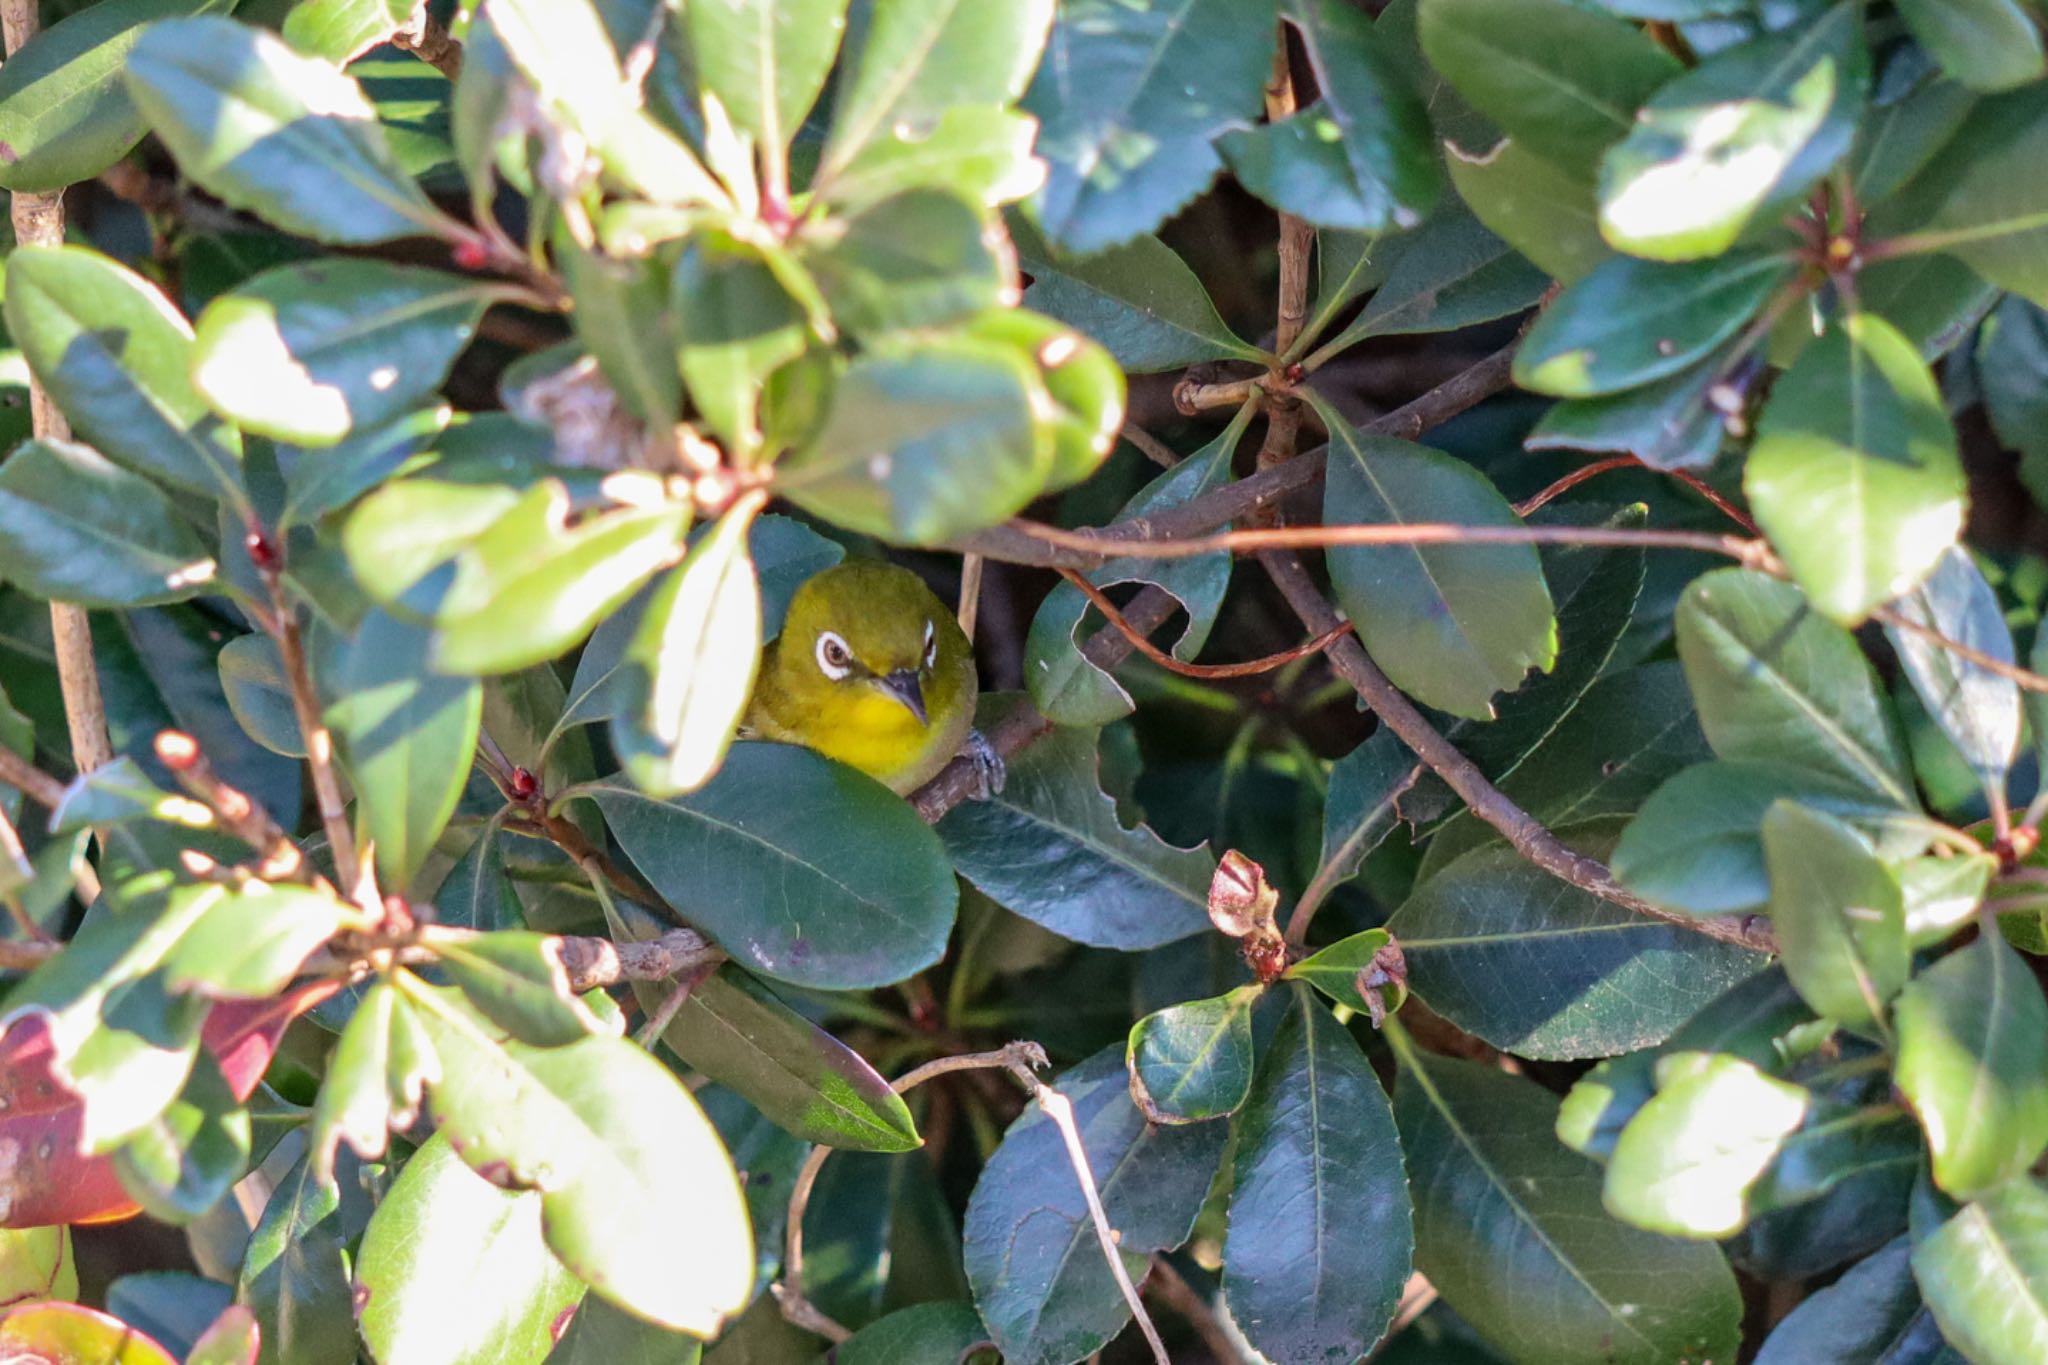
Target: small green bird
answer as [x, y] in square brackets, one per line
[871, 669]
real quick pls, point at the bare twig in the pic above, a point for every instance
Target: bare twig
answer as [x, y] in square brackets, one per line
[41, 788]
[596, 962]
[1192, 398]
[1153, 449]
[239, 816]
[1751, 552]
[1528, 837]
[427, 39]
[1144, 646]
[686, 982]
[312, 727]
[970, 595]
[1174, 1290]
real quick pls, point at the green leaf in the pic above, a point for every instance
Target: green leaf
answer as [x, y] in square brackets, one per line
[1985, 208]
[1696, 845]
[253, 682]
[1451, 623]
[922, 258]
[1977, 709]
[1049, 847]
[690, 666]
[1871, 1316]
[286, 137]
[116, 356]
[1630, 321]
[515, 978]
[1985, 44]
[1318, 1163]
[925, 440]
[1139, 299]
[979, 151]
[311, 353]
[1590, 979]
[1505, 1218]
[444, 1236]
[555, 580]
[1450, 273]
[800, 1077]
[324, 482]
[64, 114]
[186, 1159]
[235, 1338]
[1359, 810]
[1840, 917]
[249, 940]
[1125, 133]
[1973, 1062]
[357, 1099]
[622, 1155]
[926, 1331]
[1562, 79]
[735, 323]
[1776, 682]
[1193, 1061]
[804, 869]
[910, 61]
[409, 735]
[622, 318]
[1686, 1163]
[1086, 386]
[1342, 969]
[1905, 128]
[1546, 212]
[1382, 125]
[765, 60]
[1736, 140]
[600, 1334]
[343, 30]
[70, 1331]
[1982, 1273]
[1854, 474]
[75, 527]
[1031, 1253]
[1298, 166]
[1670, 423]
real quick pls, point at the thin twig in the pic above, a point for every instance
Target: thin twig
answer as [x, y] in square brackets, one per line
[970, 595]
[1174, 1290]
[1528, 837]
[312, 728]
[1573, 480]
[41, 788]
[1150, 446]
[1738, 548]
[2030, 681]
[686, 983]
[1166, 661]
[240, 816]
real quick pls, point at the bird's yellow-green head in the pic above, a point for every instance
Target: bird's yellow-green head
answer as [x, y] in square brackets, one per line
[870, 669]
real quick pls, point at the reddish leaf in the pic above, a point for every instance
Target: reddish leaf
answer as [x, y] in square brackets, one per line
[72, 1334]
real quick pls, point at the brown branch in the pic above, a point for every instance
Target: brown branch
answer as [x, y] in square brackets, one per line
[283, 624]
[596, 962]
[238, 814]
[1528, 837]
[1751, 552]
[1144, 646]
[41, 788]
[1150, 446]
[426, 39]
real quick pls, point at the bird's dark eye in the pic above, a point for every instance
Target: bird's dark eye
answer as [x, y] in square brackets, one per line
[835, 660]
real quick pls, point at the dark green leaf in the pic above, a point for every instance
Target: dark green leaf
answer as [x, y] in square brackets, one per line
[116, 356]
[1543, 969]
[1985, 44]
[1871, 1316]
[1977, 709]
[1669, 423]
[1450, 273]
[1981, 1273]
[1050, 848]
[1562, 79]
[1032, 1256]
[253, 682]
[1736, 140]
[926, 1331]
[286, 137]
[1506, 1218]
[1140, 300]
[1840, 916]
[925, 440]
[922, 258]
[802, 1078]
[1383, 128]
[1545, 211]
[311, 353]
[64, 114]
[75, 527]
[1902, 132]
[802, 868]
[1452, 623]
[1318, 1164]
[1777, 682]
[622, 318]
[600, 1334]
[295, 1274]
[1631, 321]
[357, 1097]
[1359, 811]
[1299, 166]
[1986, 208]
[444, 1236]
[1193, 1061]
[1854, 475]
[249, 940]
[1973, 1062]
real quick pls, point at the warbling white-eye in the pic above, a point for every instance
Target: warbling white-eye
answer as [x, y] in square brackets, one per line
[872, 669]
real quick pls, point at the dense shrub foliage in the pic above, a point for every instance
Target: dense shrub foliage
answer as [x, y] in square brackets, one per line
[1498, 540]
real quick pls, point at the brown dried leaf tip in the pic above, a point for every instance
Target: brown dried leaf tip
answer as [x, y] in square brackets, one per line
[1387, 969]
[1241, 904]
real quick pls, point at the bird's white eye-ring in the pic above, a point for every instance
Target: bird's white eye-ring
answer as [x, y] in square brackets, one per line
[931, 645]
[835, 660]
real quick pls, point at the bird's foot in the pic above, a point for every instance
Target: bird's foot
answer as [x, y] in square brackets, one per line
[989, 769]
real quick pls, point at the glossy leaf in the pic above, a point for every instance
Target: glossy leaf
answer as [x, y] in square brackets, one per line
[1032, 1257]
[1543, 969]
[516, 979]
[1452, 623]
[1340, 971]
[1982, 1270]
[1978, 709]
[735, 323]
[621, 1154]
[1382, 126]
[800, 1077]
[1086, 387]
[1854, 475]
[1631, 321]
[75, 527]
[444, 1235]
[804, 869]
[1973, 1062]
[765, 60]
[286, 137]
[622, 319]
[1317, 1162]
[1776, 682]
[1839, 914]
[1360, 810]
[253, 682]
[1139, 299]
[1986, 209]
[1871, 1315]
[1544, 211]
[247, 941]
[922, 258]
[925, 1331]
[1193, 1061]
[1985, 44]
[1505, 1218]
[1669, 423]
[1050, 848]
[1125, 134]
[342, 30]
[310, 353]
[409, 735]
[979, 151]
[1451, 273]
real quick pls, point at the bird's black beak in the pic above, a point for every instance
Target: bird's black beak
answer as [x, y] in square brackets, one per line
[903, 686]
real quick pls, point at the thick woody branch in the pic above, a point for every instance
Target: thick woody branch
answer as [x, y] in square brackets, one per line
[597, 962]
